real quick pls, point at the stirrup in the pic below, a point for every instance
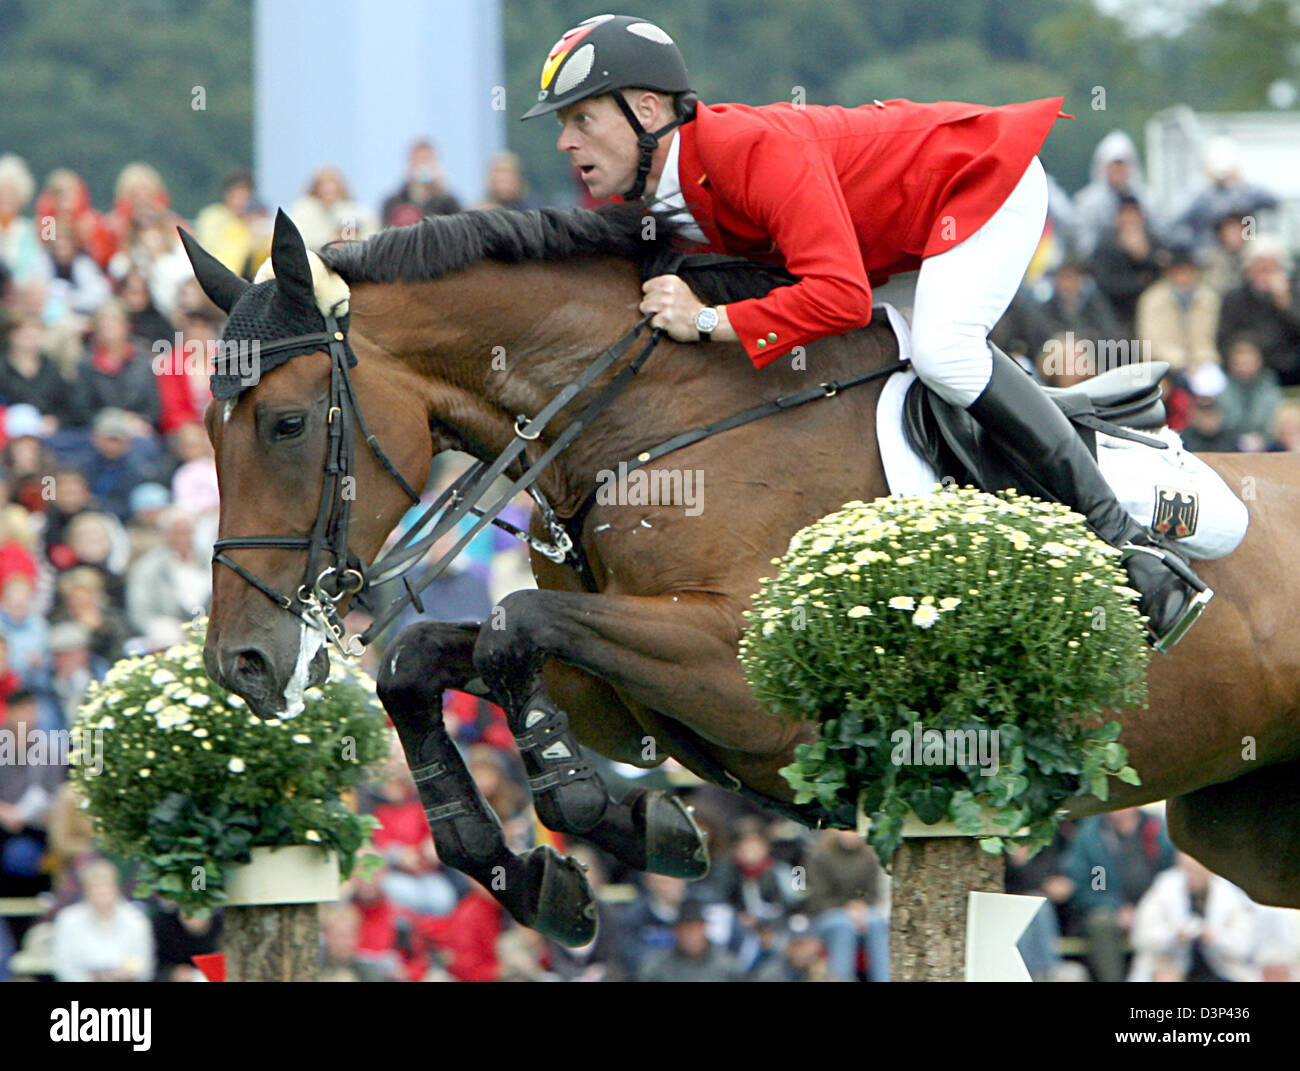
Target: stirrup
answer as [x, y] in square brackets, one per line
[1195, 606]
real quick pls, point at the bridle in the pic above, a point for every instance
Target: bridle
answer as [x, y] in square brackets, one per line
[323, 586]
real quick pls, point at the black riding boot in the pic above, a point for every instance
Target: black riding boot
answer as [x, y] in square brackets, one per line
[1039, 439]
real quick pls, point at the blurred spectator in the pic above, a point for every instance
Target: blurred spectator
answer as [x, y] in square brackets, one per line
[72, 668]
[17, 544]
[1124, 263]
[1226, 194]
[327, 211]
[1193, 926]
[167, 586]
[65, 196]
[1277, 943]
[71, 498]
[147, 323]
[27, 462]
[755, 884]
[83, 600]
[140, 202]
[97, 541]
[1111, 863]
[648, 921]
[1286, 427]
[506, 185]
[1179, 315]
[28, 376]
[10, 683]
[27, 790]
[77, 286]
[803, 958]
[1115, 174]
[119, 459]
[183, 384]
[224, 229]
[1207, 433]
[1077, 305]
[116, 371]
[691, 956]
[844, 894]
[1224, 255]
[340, 934]
[104, 938]
[1268, 306]
[423, 193]
[25, 630]
[20, 248]
[179, 936]
[1250, 399]
[148, 502]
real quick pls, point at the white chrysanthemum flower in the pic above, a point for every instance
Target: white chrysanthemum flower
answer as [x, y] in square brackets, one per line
[301, 738]
[902, 602]
[859, 611]
[906, 559]
[950, 603]
[312, 836]
[822, 544]
[198, 699]
[835, 569]
[769, 627]
[155, 704]
[200, 732]
[804, 579]
[236, 765]
[925, 616]
[162, 676]
[145, 772]
[235, 701]
[1056, 563]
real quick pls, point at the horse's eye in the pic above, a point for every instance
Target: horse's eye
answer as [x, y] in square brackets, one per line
[288, 427]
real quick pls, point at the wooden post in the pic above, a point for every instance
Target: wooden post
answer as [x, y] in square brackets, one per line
[932, 880]
[272, 943]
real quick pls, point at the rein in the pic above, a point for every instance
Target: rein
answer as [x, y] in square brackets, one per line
[317, 597]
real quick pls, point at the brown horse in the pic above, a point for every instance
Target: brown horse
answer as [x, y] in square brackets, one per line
[460, 325]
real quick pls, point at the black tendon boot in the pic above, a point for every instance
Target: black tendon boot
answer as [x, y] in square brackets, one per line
[1039, 439]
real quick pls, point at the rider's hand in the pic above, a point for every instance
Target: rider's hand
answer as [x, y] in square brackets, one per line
[673, 307]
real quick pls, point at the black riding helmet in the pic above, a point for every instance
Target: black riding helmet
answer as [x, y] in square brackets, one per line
[605, 54]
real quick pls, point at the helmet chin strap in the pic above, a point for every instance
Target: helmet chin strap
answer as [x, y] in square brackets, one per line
[647, 142]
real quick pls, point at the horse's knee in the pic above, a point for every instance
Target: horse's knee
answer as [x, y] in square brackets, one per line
[509, 642]
[418, 667]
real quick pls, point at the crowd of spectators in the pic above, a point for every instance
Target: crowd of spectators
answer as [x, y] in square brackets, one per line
[108, 506]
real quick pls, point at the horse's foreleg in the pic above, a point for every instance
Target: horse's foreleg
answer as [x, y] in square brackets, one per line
[540, 890]
[648, 830]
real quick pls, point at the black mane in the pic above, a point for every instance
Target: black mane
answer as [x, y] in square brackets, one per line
[439, 245]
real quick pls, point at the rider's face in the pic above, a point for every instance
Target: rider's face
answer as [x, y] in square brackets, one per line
[601, 144]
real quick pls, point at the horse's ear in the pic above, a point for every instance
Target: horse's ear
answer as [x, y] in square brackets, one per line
[221, 284]
[289, 259]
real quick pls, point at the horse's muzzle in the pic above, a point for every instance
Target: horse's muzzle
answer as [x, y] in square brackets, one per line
[252, 674]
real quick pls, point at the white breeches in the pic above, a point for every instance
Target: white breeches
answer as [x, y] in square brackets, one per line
[961, 294]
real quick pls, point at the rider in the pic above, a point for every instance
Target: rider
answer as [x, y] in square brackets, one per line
[846, 198]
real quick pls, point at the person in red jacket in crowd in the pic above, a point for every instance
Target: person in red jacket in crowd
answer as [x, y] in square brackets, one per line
[845, 198]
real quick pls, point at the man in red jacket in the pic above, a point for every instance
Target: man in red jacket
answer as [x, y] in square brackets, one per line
[845, 198]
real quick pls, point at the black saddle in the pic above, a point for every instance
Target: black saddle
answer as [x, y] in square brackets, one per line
[1117, 402]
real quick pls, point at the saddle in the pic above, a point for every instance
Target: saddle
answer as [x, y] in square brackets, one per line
[1122, 402]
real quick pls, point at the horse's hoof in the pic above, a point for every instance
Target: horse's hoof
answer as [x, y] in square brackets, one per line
[560, 903]
[674, 845]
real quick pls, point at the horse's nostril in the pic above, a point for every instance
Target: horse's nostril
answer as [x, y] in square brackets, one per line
[250, 671]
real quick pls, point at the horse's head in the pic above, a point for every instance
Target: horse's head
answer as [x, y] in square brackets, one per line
[305, 499]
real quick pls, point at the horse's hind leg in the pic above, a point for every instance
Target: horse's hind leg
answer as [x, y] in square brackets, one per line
[648, 830]
[541, 889]
[1246, 830]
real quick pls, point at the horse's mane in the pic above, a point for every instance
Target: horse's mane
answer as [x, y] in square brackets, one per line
[439, 245]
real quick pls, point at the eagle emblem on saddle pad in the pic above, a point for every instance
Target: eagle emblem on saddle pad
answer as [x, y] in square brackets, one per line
[1176, 512]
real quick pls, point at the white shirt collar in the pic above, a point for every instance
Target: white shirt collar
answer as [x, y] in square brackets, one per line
[669, 193]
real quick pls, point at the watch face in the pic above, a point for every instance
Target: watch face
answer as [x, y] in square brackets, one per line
[706, 319]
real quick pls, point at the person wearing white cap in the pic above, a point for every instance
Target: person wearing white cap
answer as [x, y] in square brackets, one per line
[1116, 173]
[1225, 194]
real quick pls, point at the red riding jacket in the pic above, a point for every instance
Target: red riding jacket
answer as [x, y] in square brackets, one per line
[846, 197]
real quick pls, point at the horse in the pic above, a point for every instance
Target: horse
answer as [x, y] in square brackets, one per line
[460, 330]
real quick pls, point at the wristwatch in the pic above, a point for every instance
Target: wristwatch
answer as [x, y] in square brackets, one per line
[706, 322]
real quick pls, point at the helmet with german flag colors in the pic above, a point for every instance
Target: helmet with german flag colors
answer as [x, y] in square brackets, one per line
[605, 54]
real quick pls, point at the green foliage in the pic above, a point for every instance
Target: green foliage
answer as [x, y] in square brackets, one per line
[966, 613]
[191, 779]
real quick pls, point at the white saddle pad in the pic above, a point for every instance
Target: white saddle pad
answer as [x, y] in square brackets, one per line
[1170, 486]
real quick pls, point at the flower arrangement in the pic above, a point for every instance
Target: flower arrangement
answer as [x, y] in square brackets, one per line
[189, 780]
[957, 651]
